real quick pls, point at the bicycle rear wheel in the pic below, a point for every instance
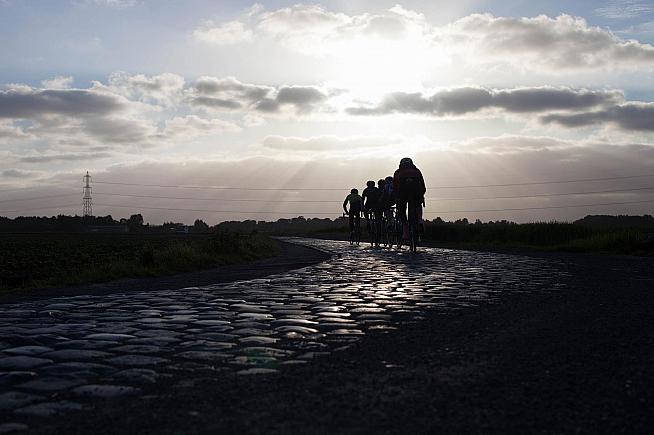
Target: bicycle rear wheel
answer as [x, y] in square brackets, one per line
[413, 227]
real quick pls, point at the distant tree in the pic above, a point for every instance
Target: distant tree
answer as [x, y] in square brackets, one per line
[135, 220]
[200, 227]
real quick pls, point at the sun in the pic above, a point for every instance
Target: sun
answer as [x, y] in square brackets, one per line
[373, 66]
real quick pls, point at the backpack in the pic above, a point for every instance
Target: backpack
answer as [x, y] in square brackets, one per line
[410, 186]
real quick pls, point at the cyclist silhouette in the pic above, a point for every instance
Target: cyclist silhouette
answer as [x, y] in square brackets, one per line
[356, 206]
[408, 186]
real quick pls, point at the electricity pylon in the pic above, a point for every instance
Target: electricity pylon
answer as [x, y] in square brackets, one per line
[87, 208]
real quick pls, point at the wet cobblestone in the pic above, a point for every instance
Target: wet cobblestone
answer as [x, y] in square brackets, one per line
[62, 354]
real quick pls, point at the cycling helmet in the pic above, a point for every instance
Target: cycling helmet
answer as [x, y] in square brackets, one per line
[381, 182]
[370, 183]
[406, 161]
[354, 191]
[389, 179]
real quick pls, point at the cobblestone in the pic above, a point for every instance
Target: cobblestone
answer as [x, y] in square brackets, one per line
[87, 348]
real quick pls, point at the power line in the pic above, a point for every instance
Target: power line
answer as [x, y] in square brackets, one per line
[213, 211]
[218, 187]
[261, 200]
[532, 183]
[541, 195]
[331, 214]
[542, 208]
[29, 188]
[39, 208]
[214, 199]
[38, 197]
[579, 180]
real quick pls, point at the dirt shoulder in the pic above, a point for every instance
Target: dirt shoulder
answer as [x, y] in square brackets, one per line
[575, 360]
[291, 257]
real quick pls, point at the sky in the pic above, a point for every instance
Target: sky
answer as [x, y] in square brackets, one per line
[231, 110]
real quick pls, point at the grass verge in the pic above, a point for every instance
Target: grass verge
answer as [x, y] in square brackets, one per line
[55, 260]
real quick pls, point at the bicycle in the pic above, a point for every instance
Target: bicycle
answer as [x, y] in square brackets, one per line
[397, 229]
[383, 234]
[389, 227]
[413, 226]
[355, 233]
[373, 227]
[414, 239]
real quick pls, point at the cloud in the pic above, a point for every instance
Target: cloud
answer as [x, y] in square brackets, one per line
[165, 88]
[10, 131]
[314, 30]
[18, 173]
[22, 102]
[231, 94]
[192, 126]
[326, 143]
[120, 130]
[216, 103]
[467, 100]
[542, 43]
[624, 9]
[119, 4]
[303, 99]
[632, 116]
[66, 157]
[99, 113]
[231, 32]
[226, 93]
[513, 144]
[532, 159]
[59, 82]
[564, 42]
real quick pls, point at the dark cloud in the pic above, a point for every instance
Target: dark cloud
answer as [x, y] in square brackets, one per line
[267, 105]
[119, 130]
[466, 100]
[219, 103]
[25, 104]
[629, 116]
[229, 86]
[304, 98]
[67, 157]
[229, 93]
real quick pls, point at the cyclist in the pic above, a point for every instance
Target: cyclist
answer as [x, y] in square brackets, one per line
[356, 205]
[371, 201]
[409, 186]
[388, 197]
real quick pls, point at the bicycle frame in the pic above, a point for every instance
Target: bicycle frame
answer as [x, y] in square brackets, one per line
[355, 233]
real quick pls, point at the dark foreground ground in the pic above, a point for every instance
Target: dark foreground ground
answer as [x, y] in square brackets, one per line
[576, 361]
[291, 256]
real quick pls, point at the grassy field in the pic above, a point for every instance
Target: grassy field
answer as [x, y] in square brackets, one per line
[557, 236]
[45, 260]
[551, 236]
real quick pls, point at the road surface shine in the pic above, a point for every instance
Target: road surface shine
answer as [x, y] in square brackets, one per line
[64, 354]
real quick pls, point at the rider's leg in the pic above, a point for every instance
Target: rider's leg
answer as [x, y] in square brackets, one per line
[378, 222]
[421, 225]
[351, 217]
[401, 210]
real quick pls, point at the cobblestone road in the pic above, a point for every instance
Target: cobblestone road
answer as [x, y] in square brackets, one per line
[64, 354]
